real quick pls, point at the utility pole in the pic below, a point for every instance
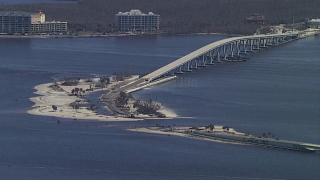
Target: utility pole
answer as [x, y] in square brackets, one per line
[292, 23]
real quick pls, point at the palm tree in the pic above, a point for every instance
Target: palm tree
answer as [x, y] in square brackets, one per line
[54, 107]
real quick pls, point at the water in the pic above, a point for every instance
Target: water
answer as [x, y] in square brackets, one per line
[276, 91]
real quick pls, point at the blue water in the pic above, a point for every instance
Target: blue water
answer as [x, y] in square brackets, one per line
[276, 91]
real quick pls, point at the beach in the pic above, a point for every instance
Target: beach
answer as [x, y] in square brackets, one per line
[63, 99]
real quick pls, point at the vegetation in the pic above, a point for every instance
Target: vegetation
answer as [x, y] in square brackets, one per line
[55, 108]
[71, 81]
[148, 107]
[211, 127]
[225, 127]
[120, 76]
[177, 16]
[55, 86]
[75, 105]
[122, 100]
[77, 91]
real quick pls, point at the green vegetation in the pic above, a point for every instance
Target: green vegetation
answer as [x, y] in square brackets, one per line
[177, 16]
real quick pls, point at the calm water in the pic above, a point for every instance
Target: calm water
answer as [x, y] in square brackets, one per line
[276, 91]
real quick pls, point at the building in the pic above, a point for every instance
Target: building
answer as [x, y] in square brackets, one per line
[136, 21]
[40, 25]
[256, 19]
[38, 17]
[14, 22]
[49, 27]
[313, 23]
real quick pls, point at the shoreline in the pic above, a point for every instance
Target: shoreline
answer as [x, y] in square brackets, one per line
[225, 134]
[102, 36]
[63, 99]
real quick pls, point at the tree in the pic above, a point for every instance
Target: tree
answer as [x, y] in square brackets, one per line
[211, 127]
[54, 107]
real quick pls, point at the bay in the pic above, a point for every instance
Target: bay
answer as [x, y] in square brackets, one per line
[276, 91]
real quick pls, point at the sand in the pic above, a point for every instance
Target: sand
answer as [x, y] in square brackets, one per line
[49, 97]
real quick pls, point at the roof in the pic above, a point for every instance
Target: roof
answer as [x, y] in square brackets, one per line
[16, 13]
[315, 21]
[135, 12]
[49, 22]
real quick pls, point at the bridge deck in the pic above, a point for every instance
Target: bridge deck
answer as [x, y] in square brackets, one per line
[202, 51]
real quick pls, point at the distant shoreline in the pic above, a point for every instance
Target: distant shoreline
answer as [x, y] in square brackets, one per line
[101, 36]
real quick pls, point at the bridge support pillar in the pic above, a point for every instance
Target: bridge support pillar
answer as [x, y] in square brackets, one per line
[225, 51]
[244, 46]
[256, 45]
[195, 64]
[262, 43]
[238, 47]
[232, 49]
[218, 54]
[210, 54]
[268, 42]
[251, 45]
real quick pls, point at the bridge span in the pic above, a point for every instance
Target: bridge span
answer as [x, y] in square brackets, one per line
[230, 49]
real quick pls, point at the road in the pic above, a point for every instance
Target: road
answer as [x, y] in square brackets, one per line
[111, 96]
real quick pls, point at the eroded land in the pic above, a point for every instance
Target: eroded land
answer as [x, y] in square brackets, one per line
[226, 134]
[66, 99]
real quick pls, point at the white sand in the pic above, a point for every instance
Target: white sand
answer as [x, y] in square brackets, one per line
[49, 97]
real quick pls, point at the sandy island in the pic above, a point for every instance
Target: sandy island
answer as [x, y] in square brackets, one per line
[63, 99]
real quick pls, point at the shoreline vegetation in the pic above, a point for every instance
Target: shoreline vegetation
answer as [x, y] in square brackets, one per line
[66, 99]
[226, 134]
[96, 17]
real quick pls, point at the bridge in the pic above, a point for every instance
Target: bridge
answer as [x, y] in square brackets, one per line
[230, 49]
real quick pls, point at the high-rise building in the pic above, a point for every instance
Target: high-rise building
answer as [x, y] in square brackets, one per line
[135, 20]
[40, 25]
[39, 17]
[14, 22]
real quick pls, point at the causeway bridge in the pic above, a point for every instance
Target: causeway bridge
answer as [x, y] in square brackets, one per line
[230, 49]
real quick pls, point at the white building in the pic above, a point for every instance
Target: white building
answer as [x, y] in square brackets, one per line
[49, 27]
[40, 25]
[135, 20]
[38, 17]
[314, 23]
